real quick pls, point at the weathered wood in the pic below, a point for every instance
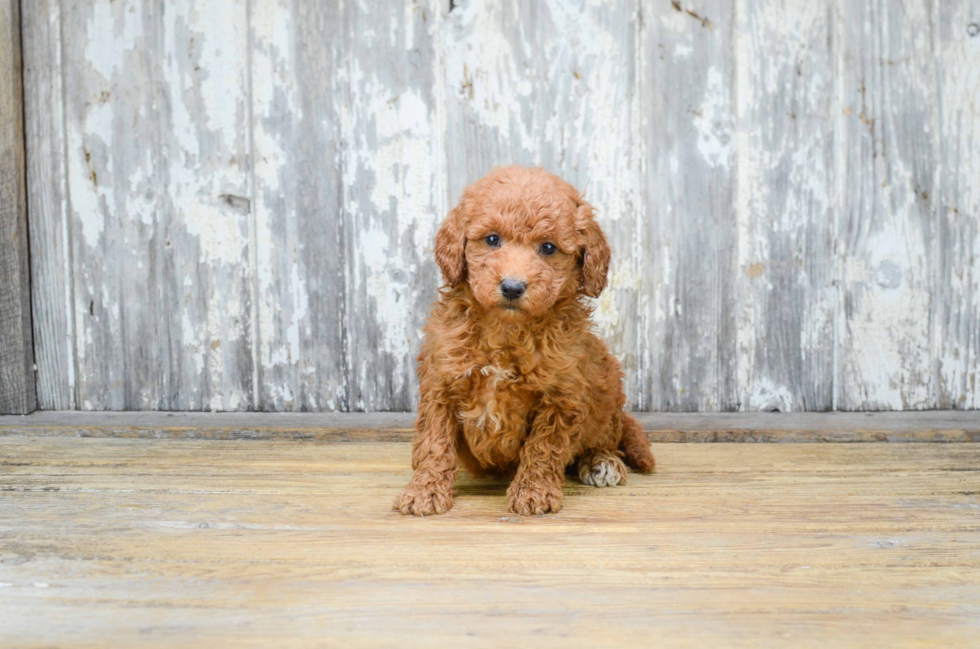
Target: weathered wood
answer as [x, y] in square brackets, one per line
[688, 289]
[157, 167]
[298, 235]
[143, 543]
[888, 193]
[928, 426]
[17, 390]
[394, 179]
[113, 122]
[47, 201]
[157, 172]
[233, 203]
[203, 204]
[957, 296]
[786, 178]
[559, 92]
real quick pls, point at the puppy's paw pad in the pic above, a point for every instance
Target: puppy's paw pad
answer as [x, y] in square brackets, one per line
[423, 501]
[602, 473]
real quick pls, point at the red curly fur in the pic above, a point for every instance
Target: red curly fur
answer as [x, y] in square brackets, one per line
[522, 387]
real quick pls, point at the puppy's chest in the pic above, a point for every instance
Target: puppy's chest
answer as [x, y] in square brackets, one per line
[497, 402]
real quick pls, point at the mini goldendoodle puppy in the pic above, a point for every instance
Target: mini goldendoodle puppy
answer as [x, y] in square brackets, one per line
[513, 381]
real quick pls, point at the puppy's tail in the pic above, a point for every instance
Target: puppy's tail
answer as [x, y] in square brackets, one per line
[635, 445]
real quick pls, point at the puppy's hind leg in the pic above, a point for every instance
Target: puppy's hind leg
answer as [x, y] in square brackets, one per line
[635, 445]
[601, 468]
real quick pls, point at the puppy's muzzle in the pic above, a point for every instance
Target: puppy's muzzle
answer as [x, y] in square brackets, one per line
[512, 289]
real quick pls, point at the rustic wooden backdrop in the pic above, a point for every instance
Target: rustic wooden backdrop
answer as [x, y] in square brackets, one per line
[232, 203]
[17, 393]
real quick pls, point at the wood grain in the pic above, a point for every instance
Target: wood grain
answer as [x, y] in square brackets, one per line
[17, 391]
[298, 231]
[394, 198]
[48, 205]
[786, 178]
[233, 202]
[138, 542]
[889, 161]
[117, 217]
[957, 297]
[157, 171]
[203, 204]
[688, 127]
[543, 95]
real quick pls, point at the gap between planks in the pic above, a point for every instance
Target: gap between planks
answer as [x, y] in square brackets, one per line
[924, 426]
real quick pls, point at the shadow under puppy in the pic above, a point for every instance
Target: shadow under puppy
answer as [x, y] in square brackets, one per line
[513, 382]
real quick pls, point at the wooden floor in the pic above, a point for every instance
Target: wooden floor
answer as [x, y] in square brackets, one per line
[140, 542]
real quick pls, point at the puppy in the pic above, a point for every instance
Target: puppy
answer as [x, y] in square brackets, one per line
[513, 382]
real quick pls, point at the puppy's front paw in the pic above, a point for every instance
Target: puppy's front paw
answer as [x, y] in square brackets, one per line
[424, 500]
[533, 499]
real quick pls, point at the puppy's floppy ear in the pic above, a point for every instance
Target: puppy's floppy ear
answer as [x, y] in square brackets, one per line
[450, 242]
[595, 250]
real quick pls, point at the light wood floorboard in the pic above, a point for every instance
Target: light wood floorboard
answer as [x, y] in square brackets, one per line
[139, 542]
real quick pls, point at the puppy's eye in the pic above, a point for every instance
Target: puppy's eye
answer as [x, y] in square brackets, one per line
[493, 241]
[548, 249]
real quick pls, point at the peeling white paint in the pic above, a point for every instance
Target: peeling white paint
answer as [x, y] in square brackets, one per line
[957, 331]
[682, 50]
[281, 301]
[300, 304]
[392, 177]
[716, 141]
[888, 201]
[111, 18]
[485, 72]
[388, 297]
[165, 128]
[785, 208]
[220, 232]
[767, 396]
[622, 277]
[191, 341]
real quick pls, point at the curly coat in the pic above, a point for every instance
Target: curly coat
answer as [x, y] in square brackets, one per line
[519, 386]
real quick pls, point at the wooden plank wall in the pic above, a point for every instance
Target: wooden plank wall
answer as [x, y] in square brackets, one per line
[233, 202]
[17, 389]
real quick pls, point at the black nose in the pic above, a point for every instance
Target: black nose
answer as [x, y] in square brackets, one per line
[512, 289]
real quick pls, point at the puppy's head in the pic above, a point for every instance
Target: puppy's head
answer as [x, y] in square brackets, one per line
[523, 239]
